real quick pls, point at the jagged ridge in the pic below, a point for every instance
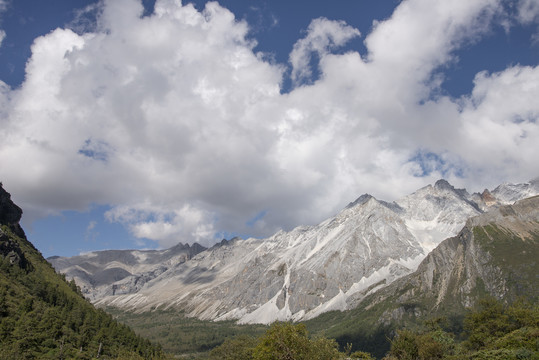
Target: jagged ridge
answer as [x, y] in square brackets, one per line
[495, 254]
[310, 270]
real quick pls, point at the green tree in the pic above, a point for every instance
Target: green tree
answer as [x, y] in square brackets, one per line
[430, 344]
[485, 324]
[237, 348]
[286, 341]
[404, 346]
[361, 355]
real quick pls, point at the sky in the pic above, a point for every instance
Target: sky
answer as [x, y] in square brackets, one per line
[141, 124]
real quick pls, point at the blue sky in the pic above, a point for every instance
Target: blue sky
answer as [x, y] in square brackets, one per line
[135, 124]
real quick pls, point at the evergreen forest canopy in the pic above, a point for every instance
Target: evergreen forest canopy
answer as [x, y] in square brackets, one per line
[42, 316]
[492, 331]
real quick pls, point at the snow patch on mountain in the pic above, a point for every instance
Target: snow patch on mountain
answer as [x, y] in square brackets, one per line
[304, 272]
[507, 193]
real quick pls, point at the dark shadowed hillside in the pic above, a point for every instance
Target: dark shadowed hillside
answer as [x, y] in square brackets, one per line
[44, 317]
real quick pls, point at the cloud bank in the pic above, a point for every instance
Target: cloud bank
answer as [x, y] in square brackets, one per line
[180, 126]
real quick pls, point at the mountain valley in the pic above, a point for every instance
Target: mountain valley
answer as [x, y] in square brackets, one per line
[295, 275]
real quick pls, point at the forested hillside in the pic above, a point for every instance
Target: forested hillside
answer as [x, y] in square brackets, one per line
[44, 317]
[492, 331]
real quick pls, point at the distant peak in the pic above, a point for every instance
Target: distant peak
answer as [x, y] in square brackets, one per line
[198, 246]
[181, 245]
[360, 200]
[487, 196]
[226, 242]
[443, 184]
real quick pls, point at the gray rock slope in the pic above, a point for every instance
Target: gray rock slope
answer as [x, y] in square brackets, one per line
[496, 254]
[114, 272]
[302, 273]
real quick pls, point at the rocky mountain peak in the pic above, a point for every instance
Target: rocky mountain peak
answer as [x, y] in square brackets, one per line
[292, 275]
[443, 184]
[360, 200]
[196, 247]
[495, 253]
[226, 242]
[488, 199]
[181, 247]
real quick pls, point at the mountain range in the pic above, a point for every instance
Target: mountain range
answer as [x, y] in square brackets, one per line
[372, 249]
[495, 254]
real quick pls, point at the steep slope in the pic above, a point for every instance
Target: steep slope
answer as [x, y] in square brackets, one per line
[44, 317]
[435, 212]
[495, 254]
[290, 275]
[302, 273]
[310, 270]
[506, 194]
[112, 272]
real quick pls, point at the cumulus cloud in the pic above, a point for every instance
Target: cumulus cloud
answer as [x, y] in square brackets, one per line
[176, 123]
[323, 36]
[499, 128]
[166, 224]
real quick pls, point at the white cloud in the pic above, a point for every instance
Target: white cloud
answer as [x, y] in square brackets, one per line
[528, 13]
[181, 128]
[499, 128]
[421, 36]
[187, 223]
[166, 224]
[323, 36]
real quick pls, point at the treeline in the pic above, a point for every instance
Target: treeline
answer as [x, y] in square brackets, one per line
[44, 317]
[493, 331]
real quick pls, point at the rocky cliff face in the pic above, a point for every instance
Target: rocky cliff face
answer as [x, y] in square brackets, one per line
[494, 254]
[10, 215]
[302, 273]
